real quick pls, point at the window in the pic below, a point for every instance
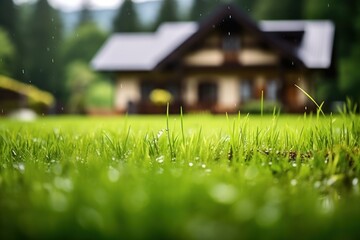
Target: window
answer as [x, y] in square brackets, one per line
[207, 93]
[272, 88]
[245, 90]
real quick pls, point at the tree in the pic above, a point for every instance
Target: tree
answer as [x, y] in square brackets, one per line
[85, 14]
[8, 17]
[9, 22]
[78, 79]
[43, 66]
[349, 66]
[279, 9]
[84, 43]
[168, 12]
[346, 16]
[200, 9]
[343, 13]
[127, 19]
[7, 53]
[246, 5]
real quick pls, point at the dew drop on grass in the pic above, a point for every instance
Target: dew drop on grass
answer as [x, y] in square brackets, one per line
[268, 216]
[58, 201]
[203, 166]
[113, 174]
[244, 210]
[293, 182]
[64, 184]
[251, 172]
[224, 193]
[317, 184]
[191, 164]
[160, 159]
[355, 182]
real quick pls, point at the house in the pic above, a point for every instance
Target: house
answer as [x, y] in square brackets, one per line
[220, 65]
[16, 95]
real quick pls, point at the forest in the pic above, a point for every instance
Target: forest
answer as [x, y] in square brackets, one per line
[35, 48]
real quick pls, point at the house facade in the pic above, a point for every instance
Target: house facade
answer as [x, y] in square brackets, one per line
[222, 64]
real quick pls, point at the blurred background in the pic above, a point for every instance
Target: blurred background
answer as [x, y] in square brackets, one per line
[46, 46]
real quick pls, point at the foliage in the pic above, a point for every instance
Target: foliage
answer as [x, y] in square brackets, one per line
[8, 18]
[350, 74]
[7, 53]
[127, 19]
[44, 37]
[85, 14]
[100, 95]
[254, 106]
[246, 5]
[241, 178]
[168, 12]
[78, 78]
[84, 43]
[275, 9]
[201, 9]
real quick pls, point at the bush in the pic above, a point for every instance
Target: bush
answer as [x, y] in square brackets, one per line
[254, 106]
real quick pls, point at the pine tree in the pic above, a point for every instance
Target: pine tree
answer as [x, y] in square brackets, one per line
[199, 10]
[43, 66]
[246, 5]
[279, 9]
[85, 14]
[127, 19]
[168, 12]
[9, 24]
[8, 16]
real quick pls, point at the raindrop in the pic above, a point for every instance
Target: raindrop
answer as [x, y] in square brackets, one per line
[230, 16]
[160, 159]
[52, 60]
[294, 165]
[224, 193]
[229, 33]
[191, 164]
[113, 174]
[23, 71]
[293, 182]
[292, 63]
[48, 49]
[203, 166]
[355, 181]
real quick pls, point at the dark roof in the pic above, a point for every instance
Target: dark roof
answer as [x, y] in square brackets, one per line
[148, 51]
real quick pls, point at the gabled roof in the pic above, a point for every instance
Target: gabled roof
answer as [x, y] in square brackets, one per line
[316, 47]
[142, 51]
[149, 51]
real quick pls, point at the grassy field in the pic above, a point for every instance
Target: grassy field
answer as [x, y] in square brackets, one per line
[191, 177]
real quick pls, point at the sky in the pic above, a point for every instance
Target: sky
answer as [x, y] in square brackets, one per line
[68, 5]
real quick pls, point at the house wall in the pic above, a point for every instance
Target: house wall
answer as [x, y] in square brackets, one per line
[205, 57]
[257, 57]
[228, 92]
[127, 90]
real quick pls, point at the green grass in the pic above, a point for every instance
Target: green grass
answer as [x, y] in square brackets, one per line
[181, 177]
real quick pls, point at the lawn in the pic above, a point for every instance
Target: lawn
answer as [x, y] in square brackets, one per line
[191, 177]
